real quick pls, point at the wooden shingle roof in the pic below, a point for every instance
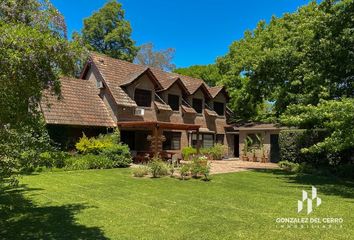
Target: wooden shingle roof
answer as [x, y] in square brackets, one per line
[79, 105]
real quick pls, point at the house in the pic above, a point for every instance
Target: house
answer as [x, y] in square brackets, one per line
[155, 111]
[261, 138]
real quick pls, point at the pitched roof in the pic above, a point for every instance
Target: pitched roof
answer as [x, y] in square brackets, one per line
[79, 105]
[162, 106]
[118, 73]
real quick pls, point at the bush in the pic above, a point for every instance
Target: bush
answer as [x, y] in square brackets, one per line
[205, 171]
[217, 152]
[158, 168]
[289, 166]
[197, 166]
[89, 161]
[119, 154]
[51, 159]
[140, 171]
[184, 171]
[292, 144]
[345, 171]
[187, 152]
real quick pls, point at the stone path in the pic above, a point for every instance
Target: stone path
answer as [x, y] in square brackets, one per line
[234, 165]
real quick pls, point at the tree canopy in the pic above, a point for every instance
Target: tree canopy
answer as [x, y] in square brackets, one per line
[159, 59]
[107, 32]
[209, 73]
[33, 55]
[299, 58]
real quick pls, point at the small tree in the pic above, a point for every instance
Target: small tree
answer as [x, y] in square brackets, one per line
[158, 59]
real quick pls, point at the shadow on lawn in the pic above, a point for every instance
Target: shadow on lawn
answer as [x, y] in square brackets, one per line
[21, 219]
[329, 185]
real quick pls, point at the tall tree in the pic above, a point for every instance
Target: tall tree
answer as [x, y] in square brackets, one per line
[299, 58]
[33, 54]
[159, 59]
[209, 73]
[107, 32]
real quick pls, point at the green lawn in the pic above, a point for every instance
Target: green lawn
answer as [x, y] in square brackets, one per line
[111, 204]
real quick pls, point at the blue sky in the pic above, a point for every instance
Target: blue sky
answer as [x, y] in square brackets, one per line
[199, 30]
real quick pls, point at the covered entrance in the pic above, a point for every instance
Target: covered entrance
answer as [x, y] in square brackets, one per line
[146, 139]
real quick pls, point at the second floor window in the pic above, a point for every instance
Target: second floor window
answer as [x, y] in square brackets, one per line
[142, 98]
[198, 105]
[173, 101]
[219, 108]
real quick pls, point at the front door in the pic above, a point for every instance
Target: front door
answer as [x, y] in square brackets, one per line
[236, 146]
[274, 148]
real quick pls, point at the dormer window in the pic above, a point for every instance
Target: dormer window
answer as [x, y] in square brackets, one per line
[197, 105]
[219, 108]
[142, 98]
[173, 101]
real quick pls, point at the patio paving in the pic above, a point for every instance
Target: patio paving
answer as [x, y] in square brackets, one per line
[235, 165]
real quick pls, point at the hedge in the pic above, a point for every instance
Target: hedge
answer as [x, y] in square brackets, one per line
[292, 141]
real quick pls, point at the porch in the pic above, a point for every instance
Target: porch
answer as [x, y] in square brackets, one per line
[148, 139]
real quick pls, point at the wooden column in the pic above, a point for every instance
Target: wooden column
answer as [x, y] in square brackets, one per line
[155, 137]
[198, 142]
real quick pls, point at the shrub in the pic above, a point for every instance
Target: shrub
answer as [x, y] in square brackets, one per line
[205, 171]
[292, 144]
[157, 168]
[187, 152]
[289, 166]
[217, 152]
[345, 171]
[184, 171]
[140, 171]
[197, 166]
[51, 159]
[89, 161]
[119, 154]
[96, 145]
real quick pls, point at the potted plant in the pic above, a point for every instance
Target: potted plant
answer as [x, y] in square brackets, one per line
[264, 158]
[245, 150]
[254, 157]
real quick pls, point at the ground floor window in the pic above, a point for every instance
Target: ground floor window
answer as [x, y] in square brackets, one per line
[206, 140]
[219, 138]
[173, 141]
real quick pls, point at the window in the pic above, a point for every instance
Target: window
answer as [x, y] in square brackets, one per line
[142, 97]
[198, 105]
[173, 141]
[220, 138]
[173, 101]
[219, 108]
[253, 140]
[206, 140]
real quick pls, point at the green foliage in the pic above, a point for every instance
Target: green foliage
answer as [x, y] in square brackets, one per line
[336, 116]
[293, 142]
[53, 159]
[96, 145]
[157, 168]
[198, 166]
[217, 152]
[89, 161]
[184, 171]
[346, 171]
[289, 166]
[107, 32]
[158, 59]
[33, 54]
[187, 152]
[299, 58]
[140, 171]
[119, 154]
[209, 73]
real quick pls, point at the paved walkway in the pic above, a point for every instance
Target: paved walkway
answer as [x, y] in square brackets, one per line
[234, 165]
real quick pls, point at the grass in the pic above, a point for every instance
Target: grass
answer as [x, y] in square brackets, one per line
[111, 204]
